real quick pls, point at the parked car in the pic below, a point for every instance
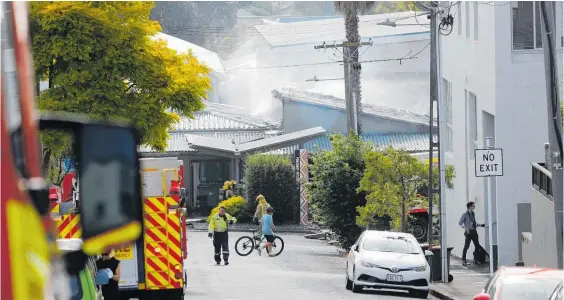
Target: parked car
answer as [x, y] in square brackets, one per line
[82, 285]
[391, 260]
[521, 283]
[558, 293]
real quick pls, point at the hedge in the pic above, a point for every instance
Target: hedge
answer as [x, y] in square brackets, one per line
[233, 206]
[272, 176]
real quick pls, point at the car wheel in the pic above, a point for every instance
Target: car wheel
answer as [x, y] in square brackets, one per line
[355, 287]
[349, 284]
[419, 294]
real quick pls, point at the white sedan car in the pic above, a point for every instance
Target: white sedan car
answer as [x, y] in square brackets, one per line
[391, 260]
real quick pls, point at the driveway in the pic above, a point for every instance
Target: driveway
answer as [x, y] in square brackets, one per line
[307, 269]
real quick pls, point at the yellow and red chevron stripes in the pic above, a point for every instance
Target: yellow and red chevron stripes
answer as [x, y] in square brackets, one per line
[68, 227]
[163, 261]
[54, 207]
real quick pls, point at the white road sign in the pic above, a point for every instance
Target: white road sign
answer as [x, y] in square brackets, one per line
[489, 162]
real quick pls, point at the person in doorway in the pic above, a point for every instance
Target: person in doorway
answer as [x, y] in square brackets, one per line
[468, 223]
[267, 230]
[218, 230]
[110, 291]
[259, 213]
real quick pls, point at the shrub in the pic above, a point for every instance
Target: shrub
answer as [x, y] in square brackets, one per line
[333, 189]
[272, 176]
[233, 206]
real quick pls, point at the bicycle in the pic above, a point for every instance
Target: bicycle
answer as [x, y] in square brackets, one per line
[249, 244]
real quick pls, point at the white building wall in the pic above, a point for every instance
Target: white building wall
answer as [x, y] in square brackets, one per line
[510, 86]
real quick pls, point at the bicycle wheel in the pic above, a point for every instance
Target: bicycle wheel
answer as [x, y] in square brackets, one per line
[246, 244]
[277, 246]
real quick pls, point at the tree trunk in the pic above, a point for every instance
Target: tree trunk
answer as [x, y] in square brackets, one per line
[45, 162]
[353, 36]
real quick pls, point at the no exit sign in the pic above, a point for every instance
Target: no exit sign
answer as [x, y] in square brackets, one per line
[488, 162]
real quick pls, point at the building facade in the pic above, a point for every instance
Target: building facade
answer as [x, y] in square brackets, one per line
[493, 82]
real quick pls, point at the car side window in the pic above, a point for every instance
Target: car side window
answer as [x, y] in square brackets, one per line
[359, 239]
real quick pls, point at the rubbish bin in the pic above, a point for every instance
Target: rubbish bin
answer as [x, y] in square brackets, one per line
[435, 262]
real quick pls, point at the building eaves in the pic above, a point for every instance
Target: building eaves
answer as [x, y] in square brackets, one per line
[299, 96]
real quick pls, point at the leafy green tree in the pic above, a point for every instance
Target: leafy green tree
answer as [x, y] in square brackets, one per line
[100, 58]
[392, 179]
[272, 176]
[383, 7]
[336, 176]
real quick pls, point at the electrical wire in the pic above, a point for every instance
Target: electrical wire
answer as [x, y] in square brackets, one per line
[405, 57]
[490, 3]
[553, 89]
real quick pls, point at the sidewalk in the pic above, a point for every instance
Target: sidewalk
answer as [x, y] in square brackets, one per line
[467, 282]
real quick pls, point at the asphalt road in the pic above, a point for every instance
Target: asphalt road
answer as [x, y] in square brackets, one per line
[306, 269]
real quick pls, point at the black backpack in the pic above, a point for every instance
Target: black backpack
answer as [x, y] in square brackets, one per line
[480, 256]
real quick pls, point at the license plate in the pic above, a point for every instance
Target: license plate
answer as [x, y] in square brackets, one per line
[395, 278]
[124, 253]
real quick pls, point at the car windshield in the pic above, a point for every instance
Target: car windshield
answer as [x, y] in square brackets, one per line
[523, 288]
[396, 244]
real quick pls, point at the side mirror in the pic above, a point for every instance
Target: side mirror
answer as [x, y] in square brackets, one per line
[109, 182]
[356, 248]
[428, 253]
[482, 296]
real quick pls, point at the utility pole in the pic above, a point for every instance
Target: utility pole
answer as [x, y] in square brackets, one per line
[548, 29]
[439, 102]
[351, 109]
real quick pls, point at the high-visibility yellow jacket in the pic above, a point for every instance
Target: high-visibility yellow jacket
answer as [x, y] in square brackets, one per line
[261, 208]
[220, 223]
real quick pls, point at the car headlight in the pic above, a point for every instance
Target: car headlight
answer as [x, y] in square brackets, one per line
[420, 268]
[368, 265]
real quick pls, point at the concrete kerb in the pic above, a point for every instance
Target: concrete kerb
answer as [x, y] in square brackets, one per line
[439, 295]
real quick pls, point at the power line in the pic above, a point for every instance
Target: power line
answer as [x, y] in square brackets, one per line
[405, 57]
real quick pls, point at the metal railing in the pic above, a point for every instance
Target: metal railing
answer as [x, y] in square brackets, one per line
[542, 180]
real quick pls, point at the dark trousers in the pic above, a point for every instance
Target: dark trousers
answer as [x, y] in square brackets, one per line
[471, 236]
[221, 246]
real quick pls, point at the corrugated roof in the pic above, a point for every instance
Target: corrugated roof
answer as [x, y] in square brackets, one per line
[222, 117]
[379, 110]
[411, 142]
[205, 56]
[178, 141]
[330, 30]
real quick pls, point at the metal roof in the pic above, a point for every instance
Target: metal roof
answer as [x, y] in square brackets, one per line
[178, 141]
[329, 30]
[222, 117]
[299, 96]
[410, 142]
[270, 143]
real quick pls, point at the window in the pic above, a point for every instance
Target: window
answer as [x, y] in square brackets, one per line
[472, 125]
[447, 94]
[476, 21]
[459, 18]
[526, 26]
[467, 17]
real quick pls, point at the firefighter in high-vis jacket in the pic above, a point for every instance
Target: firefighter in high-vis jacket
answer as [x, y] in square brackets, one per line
[218, 230]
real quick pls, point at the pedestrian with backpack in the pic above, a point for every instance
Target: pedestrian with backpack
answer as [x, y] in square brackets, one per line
[468, 223]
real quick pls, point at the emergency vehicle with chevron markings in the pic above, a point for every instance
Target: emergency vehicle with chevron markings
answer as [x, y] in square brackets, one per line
[154, 265]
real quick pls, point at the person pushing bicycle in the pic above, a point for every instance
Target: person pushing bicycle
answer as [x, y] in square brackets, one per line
[267, 230]
[260, 212]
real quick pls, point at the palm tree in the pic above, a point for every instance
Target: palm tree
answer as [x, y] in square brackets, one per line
[351, 10]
